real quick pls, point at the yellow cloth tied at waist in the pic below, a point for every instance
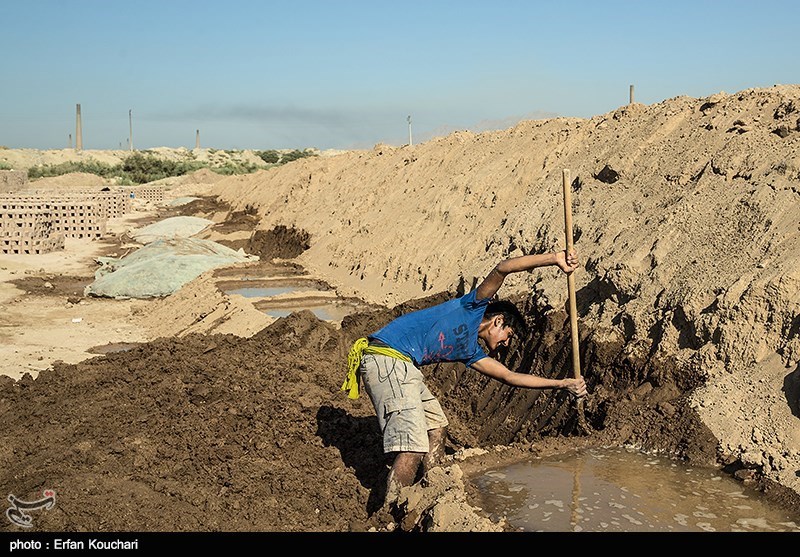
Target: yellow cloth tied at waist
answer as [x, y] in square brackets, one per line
[360, 347]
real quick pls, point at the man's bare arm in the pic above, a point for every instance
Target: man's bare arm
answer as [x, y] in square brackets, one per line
[496, 370]
[494, 280]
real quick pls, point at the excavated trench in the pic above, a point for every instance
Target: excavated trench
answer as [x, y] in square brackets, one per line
[638, 406]
[634, 399]
[646, 462]
[638, 396]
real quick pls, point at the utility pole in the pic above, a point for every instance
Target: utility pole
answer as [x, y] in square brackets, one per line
[130, 125]
[410, 142]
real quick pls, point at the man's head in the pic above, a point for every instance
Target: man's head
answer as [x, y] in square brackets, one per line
[502, 322]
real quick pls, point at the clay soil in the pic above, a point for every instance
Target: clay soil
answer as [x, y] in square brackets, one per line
[215, 418]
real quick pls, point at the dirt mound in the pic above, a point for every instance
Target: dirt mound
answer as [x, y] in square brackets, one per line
[71, 181]
[194, 183]
[202, 176]
[207, 433]
[200, 307]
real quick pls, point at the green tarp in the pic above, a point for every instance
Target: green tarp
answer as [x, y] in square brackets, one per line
[161, 267]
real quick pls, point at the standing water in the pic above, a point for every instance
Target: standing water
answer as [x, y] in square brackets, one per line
[291, 296]
[619, 490]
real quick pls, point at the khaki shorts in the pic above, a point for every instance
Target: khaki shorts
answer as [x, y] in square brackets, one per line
[405, 407]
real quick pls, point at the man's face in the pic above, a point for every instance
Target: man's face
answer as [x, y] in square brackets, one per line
[499, 335]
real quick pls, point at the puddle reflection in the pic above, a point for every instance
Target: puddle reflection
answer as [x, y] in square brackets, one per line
[271, 291]
[619, 490]
[287, 297]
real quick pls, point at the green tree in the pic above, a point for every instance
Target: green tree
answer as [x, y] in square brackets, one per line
[270, 157]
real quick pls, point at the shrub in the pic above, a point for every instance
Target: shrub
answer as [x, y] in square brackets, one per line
[269, 157]
[296, 154]
[148, 168]
[142, 168]
[90, 167]
[234, 167]
[272, 156]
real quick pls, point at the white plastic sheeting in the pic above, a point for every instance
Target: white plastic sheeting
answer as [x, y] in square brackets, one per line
[172, 227]
[161, 267]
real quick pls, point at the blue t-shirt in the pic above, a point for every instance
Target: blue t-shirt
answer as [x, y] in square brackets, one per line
[447, 332]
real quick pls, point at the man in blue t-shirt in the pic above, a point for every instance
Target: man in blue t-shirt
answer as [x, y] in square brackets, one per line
[410, 417]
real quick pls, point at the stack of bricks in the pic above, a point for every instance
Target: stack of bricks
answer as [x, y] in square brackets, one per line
[38, 221]
[154, 194]
[78, 218]
[28, 231]
[109, 204]
[74, 217]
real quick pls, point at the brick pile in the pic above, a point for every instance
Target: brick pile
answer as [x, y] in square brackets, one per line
[37, 222]
[28, 231]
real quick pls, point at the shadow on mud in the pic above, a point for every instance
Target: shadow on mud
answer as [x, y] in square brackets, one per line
[360, 446]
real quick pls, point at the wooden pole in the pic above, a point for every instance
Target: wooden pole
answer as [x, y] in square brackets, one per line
[573, 312]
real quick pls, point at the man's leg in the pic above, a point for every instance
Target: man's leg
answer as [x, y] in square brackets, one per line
[404, 408]
[402, 474]
[435, 455]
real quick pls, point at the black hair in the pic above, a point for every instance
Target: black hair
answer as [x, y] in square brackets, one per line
[511, 317]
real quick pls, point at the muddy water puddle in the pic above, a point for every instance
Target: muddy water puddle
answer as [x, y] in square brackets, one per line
[326, 312]
[269, 291]
[281, 297]
[624, 490]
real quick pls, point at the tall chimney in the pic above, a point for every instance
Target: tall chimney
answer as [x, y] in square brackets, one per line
[197, 140]
[78, 134]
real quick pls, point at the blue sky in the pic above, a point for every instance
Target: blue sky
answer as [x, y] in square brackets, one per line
[347, 74]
